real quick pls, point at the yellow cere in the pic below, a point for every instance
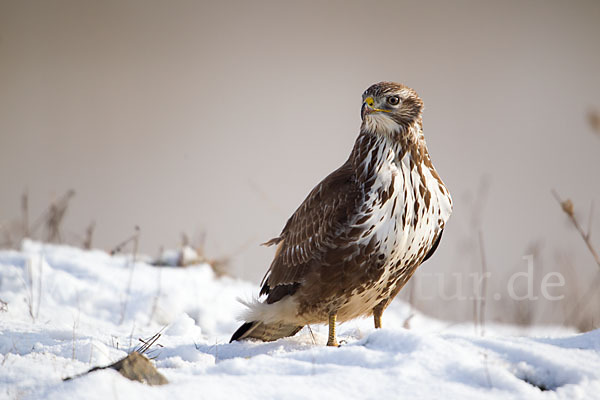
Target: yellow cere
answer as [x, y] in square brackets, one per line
[369, 100]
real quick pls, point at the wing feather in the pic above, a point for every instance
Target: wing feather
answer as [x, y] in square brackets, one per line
[315, 227]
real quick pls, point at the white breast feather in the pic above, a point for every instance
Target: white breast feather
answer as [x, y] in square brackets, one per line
[408, 239]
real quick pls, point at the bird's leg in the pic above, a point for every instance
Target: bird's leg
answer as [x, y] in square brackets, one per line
[377, 313]
[331, 341]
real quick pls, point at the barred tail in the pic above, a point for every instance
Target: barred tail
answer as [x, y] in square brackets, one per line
[264, 331]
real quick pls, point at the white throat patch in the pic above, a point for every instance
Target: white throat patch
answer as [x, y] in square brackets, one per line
[380, 123]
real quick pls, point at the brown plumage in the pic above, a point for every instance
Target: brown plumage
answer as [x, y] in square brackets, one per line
[361, 233]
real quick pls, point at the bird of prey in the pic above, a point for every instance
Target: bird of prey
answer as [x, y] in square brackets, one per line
[361, 233]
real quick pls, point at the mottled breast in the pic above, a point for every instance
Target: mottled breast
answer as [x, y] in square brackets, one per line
[405, 208]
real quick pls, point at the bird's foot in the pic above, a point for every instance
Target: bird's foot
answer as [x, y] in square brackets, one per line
[331, 340]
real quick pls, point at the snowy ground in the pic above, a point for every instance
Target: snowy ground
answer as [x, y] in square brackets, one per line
[69, 310]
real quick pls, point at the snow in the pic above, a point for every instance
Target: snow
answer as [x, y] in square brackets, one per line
[69, 310]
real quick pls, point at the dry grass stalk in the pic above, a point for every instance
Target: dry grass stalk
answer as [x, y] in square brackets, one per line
[25, 213]
[146, 346]
[574, 317]
[411, 302]
[135, 240]
[156, 297]
[49, 221]
[55, 217]
[406, 322]
[482, 292]
[594, 121]
[312, 335]
[33, 302]
[89, 234]
[8, 241]
[567, 207]
[220, 265]
[75, 326]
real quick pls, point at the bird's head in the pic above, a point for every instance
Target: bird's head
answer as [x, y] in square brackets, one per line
[390, 109]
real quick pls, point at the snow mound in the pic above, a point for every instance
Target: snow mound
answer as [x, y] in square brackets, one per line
[68, 310]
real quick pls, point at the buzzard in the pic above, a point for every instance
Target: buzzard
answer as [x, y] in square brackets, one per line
[361, 233]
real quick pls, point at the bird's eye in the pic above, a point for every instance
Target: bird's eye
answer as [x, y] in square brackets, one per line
[393, 100]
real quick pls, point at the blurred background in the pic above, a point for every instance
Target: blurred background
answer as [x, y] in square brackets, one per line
[215, 119]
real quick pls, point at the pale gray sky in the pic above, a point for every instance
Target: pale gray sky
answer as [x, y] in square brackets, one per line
[219, 117]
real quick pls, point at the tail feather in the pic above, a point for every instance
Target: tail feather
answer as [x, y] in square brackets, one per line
[265, 332]
[242, 331]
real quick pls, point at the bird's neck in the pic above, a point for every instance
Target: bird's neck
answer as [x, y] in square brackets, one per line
[372, 149]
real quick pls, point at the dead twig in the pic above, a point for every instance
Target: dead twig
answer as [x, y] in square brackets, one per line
[8, 241]
[52, 218]
[312, 335]
[131, 336]
[135, 239]
[25, 213]
[594, 121]
[579, 308]
[411, 302]
[156, 297]
[406, 323]
[89, 234]
[483, 286]
[75, 326]
[33, 303]
[567, 207]
[590, 220]
[147, 344]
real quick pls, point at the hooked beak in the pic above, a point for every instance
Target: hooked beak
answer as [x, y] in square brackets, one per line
[367, 107]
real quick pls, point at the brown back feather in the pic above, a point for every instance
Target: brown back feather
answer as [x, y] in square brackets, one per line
[314, 228]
